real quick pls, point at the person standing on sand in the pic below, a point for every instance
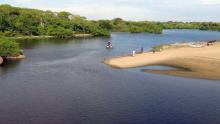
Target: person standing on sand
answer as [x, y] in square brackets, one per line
[142, 50]
[207, 44]
[154, 51]
[133, 53]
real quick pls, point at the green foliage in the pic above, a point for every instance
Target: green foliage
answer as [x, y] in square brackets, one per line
[135, 29]
[41, 30]
[157, 48]
[105, 24]
[119, 25]
[27, 22]
[79, 24]
[95, 29]
[8, 47]
[59, 32]
[100, 32]
[192, 25]
[148, 27]
[64, 15]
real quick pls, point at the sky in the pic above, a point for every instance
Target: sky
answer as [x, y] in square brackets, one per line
[137, 10]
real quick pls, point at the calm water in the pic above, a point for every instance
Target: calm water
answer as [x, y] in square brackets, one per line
[64, 82]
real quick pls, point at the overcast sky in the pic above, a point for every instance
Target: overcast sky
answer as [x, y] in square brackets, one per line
[156, 10]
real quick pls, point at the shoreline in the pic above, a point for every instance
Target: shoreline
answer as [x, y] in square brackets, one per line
[82, 35]
[14, 58]
[48, 37]
[201, 68]
[188, 59]
[31, 37]
[11, 58]
[1, 60]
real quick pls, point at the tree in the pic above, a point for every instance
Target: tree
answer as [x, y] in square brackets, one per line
[64, 15]
[27, 22]
[79, 24]
[8, 48]
[106, 24]
[59, 32]
[117, 21]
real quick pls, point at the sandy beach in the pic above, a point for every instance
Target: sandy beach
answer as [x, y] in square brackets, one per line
[197, 62]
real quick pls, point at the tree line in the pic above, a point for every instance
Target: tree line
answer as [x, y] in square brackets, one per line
[214, 26]
[15, 21]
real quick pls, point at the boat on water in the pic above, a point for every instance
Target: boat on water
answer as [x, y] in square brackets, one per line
[109, 45]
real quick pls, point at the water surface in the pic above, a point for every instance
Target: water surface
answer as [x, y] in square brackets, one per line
[65, 82]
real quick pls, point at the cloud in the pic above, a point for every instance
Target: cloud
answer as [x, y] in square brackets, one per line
[23, 1]
[106, 12]
[158, 10]
[210, 2]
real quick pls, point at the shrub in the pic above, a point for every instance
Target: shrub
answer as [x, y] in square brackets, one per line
[59, 32]
[8, 47]
[157, 48]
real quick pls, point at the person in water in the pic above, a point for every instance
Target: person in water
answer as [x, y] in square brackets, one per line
[109, 43]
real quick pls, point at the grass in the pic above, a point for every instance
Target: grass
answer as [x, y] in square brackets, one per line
[157, 48]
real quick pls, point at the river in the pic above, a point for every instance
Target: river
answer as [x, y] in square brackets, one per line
[65, 82]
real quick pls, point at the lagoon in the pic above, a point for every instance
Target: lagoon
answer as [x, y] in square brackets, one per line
[65, 81]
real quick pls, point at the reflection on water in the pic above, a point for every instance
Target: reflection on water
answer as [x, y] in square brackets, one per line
[8, 65]
[65, 82]
[32, 43]
[158, 67]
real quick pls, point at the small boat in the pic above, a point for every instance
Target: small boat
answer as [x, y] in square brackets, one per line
[109, 45]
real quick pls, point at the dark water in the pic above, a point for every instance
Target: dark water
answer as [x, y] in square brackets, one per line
[64, 82]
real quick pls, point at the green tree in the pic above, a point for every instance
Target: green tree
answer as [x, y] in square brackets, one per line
[64, 15]
[79, 24]
[8, 48]
[105, 24]
[59, 32]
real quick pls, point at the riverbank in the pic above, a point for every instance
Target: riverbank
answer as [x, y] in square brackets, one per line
[191, 60]
[82, 35]
[30, 37]
[48, 37]
[13, 58]
[1, 60]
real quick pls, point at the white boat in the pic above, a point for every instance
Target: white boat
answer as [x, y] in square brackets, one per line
[109, 46]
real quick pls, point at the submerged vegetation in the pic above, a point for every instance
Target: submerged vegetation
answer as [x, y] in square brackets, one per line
[20, 22]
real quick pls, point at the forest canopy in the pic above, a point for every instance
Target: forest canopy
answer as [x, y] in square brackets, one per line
[15, 21]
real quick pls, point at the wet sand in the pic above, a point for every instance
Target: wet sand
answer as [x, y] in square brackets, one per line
[192, 62]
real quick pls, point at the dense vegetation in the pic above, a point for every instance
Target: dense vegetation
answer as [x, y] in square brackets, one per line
[119, 25]
[8, 48]
[16, 21]
[192, 25]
